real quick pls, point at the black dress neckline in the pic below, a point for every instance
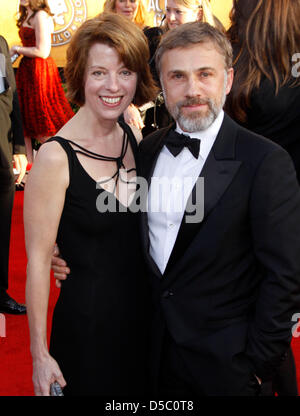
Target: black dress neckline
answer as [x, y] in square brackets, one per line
[127, 137]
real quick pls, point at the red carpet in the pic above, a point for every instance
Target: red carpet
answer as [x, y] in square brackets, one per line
[15, 359]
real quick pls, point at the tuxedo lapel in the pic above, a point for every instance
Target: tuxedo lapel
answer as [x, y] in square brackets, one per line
[150, 149]
[218, 172]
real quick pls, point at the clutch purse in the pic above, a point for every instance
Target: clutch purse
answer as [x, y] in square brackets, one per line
[55, 389]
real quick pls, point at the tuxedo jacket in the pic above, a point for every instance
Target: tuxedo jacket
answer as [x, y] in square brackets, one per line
[232, 283]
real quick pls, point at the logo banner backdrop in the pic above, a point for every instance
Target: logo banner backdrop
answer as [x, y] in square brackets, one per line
[70, 14]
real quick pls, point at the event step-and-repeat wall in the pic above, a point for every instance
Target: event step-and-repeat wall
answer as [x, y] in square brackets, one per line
[69, 15]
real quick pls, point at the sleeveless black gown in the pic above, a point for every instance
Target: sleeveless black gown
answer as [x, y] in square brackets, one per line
[100, 322]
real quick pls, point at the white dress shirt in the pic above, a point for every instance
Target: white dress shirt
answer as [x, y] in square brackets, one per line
[172, 183]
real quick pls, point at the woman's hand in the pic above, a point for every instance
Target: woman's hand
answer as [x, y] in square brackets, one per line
[45, 372]
[14, 49]
[132, 116]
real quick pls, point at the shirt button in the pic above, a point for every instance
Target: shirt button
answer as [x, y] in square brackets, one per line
[167, 293]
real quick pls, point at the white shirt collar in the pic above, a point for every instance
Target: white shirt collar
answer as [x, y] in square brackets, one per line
[207, 136]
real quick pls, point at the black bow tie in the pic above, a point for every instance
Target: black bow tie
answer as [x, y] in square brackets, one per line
[175, 142]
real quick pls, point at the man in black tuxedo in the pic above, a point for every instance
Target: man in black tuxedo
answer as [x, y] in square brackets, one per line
[225, 286]
[225, 289]
[11, 147]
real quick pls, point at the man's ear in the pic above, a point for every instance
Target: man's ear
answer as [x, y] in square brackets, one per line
[230, 76]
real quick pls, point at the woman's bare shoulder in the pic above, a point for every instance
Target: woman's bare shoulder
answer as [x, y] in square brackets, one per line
[42, 18]
[51, 152]
[42, 14]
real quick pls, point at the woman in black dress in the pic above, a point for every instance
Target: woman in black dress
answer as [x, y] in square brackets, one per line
[79, 193]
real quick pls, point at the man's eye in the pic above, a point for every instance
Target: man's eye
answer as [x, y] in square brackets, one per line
[178, 76]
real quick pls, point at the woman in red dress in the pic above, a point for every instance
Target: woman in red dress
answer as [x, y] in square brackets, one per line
[44, 106]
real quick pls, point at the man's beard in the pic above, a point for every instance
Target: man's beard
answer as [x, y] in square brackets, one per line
[196, 120]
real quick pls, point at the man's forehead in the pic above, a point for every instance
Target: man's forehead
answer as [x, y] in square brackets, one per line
[199, 53]
[208, 46]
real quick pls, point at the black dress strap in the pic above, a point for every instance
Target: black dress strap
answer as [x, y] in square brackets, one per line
[128, 136]
[67, 148]
[133, 143]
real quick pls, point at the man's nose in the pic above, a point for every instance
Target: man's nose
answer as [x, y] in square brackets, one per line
[193, 86]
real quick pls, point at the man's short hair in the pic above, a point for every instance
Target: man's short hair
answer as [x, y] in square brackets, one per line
[190, 34]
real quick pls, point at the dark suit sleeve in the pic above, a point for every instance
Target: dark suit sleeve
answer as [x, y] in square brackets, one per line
[17, 135]
[17, 127]
[275, 221]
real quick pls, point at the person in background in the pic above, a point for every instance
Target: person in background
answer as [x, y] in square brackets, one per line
[184, 11]
[265, 96]
[12, 148]
[99, 336]
[136, 12]
[44, 106]
[177, 13]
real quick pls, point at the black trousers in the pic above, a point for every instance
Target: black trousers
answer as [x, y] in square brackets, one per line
[175, 382]
[174, 379]
[7, 191]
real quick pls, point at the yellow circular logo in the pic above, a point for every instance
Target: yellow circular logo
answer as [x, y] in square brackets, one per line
[68, 16]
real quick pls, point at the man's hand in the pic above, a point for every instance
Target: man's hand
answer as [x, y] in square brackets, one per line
[258, 379]
[59, 267]
[20, 165]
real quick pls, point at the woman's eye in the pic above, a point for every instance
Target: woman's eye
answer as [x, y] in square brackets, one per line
[126, 73]
[97, 73]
